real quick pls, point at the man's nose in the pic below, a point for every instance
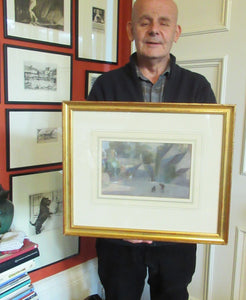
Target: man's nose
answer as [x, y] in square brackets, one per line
[154, 28]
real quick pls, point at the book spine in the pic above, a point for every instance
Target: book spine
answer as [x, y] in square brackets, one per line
[25, 295]
[7, 255]
[34, 296]
[14, 283]
[5, 282]
[19, 260]
[16, 271]
[16, 290]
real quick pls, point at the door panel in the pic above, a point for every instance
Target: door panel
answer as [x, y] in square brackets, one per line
[214, 69]
[213, 43]
[207, 16]
[220, 56]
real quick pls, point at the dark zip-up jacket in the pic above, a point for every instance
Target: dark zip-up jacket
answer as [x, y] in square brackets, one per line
[123, 84]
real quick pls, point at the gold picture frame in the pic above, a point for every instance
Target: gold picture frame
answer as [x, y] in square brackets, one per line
[154, 171]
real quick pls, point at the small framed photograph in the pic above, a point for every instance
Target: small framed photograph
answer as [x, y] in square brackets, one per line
[161, 182]
[97, 30]
[41, 77]
[39, 21]
[91, 77]
[37, 198]
[34, 138]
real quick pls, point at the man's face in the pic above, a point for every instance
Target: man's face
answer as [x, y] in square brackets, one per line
[154, 28]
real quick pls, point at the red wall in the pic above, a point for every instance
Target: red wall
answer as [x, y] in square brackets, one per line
[87, 249]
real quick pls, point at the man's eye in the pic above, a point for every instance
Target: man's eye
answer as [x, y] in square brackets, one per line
[144, 23]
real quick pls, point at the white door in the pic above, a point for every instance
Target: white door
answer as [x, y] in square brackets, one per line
[213, 43]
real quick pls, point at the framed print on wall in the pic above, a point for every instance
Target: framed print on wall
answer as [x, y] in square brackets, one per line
[34, 138]
[160, 182]
[40, 21]
[90, 78]
[37, 77]
[97, 30]
[32, 195]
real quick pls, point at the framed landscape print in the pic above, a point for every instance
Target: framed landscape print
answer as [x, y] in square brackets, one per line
[37, 199]
[40, 77]
[40, 21]
[97, 30]
[34, 138]
[164, 181]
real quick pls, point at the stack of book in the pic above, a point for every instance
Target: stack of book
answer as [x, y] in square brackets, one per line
[15, 283]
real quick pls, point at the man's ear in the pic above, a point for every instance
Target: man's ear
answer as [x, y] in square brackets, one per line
[129, 30]
[177, 33]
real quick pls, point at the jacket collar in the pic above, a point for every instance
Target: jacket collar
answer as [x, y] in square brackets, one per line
[133, 62]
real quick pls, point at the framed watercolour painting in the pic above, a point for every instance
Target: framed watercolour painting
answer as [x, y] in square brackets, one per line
[34, 138]
[40, 21]
[163, 181]
[41, 77]
[97, 30]
[37, 198]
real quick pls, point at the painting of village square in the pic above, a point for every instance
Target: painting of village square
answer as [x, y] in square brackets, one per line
[146, 169]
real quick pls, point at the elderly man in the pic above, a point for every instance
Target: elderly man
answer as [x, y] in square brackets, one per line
[152, 75]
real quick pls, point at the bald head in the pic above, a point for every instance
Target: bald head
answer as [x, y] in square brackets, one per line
[172, 6]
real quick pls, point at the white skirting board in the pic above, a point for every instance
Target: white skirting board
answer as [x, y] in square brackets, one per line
[75, 283]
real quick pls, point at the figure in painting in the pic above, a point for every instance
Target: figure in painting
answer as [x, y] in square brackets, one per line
[32, 5]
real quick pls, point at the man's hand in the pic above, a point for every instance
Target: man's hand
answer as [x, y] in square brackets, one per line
[139, 241]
